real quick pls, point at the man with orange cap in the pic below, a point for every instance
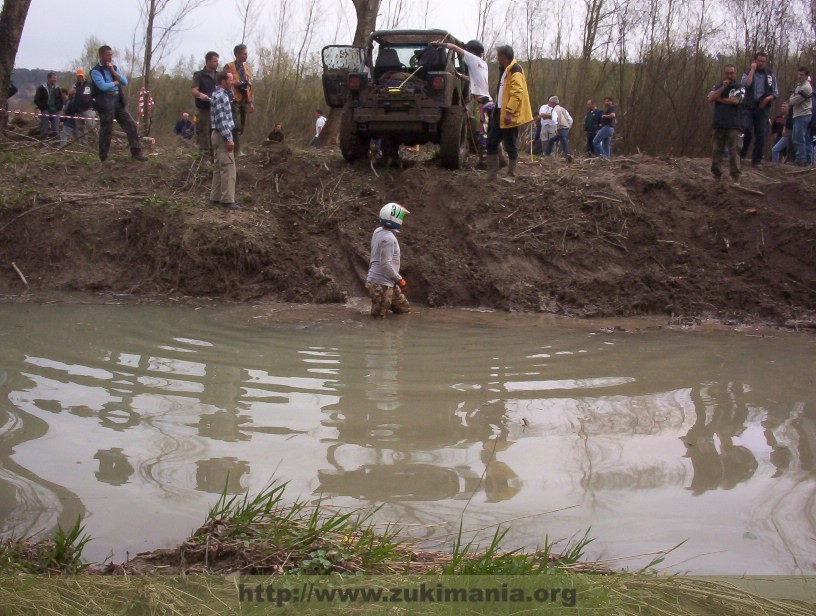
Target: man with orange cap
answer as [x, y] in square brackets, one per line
[83, 107]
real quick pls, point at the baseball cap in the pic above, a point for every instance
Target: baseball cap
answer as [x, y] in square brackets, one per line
[80, 72]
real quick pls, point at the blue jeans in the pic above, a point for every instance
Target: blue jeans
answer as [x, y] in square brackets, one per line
[603, 141]
[779, 147]
[809, 145]
[48, 120]
[800, 137]
[561, 136]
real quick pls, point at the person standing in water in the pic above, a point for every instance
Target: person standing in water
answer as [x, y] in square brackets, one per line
[384, 283]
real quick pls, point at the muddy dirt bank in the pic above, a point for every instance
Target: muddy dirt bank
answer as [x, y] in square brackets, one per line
[629, 237]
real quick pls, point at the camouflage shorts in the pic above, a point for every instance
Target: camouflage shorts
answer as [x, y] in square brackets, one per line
[384, 298]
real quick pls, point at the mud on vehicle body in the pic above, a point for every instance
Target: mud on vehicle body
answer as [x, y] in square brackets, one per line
[401, 89]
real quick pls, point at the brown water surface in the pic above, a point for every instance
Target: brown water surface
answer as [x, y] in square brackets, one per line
[136, 418]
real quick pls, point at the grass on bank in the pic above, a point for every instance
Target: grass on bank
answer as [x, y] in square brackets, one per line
[263, 537]
[60, 555]
[267, 535]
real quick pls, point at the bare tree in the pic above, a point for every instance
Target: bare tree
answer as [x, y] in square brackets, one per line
[312, 13]
[12, 20]
[367, 12]
[161, 19]
[89, 56]
[764, 26]
[532, 35]
[395, 13]
[248, 10]
[426, 12]
[486, 26]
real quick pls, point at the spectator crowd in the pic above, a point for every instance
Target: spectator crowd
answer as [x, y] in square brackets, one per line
[744, 113]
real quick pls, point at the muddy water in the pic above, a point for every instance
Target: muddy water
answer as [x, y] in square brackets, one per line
[136, 417]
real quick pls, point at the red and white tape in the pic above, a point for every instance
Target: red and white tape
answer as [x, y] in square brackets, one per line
[46, 115]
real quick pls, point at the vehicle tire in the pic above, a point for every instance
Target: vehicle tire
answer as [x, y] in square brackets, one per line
[453, 138]
[353, 146]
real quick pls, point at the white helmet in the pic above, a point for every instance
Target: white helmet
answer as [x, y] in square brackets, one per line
[392, 215]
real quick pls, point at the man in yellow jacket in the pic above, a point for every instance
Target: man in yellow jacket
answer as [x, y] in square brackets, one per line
[512, 111]
[241, 93]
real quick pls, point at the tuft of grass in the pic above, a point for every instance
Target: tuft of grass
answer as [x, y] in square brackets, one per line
[469, 559]
[62, 554]
[272, 536]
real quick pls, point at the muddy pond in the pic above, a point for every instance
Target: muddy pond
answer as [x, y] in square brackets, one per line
[136, 417]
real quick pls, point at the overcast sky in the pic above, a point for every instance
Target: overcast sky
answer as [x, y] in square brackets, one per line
[56, 30]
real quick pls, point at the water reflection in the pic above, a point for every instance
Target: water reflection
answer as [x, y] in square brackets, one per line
[114, 467]
[649, 439]
[221, 474]
[400, 440]
[720, 465]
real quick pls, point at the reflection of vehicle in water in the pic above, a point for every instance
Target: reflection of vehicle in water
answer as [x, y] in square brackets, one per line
[396, 442]
[393, 482]
[400, 89]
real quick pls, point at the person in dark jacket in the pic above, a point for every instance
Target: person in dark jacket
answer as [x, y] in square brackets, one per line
[83, 107]
[276, 136]
[184, 127]
[592, 122]
[726, 97]
[202, 88]
[48, 99]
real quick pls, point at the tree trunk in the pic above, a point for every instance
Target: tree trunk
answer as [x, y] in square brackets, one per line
[367, 11]
[12, 20]
[148, 62]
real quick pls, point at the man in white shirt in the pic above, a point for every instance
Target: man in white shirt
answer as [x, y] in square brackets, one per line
[549, 122]
[320, 122]
[563, 123]
[473, 57]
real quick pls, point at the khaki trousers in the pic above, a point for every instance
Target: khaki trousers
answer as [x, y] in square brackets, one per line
[725, 139]
[223, 186]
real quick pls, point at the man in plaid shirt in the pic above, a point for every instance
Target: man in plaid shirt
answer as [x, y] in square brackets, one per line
[222, 127]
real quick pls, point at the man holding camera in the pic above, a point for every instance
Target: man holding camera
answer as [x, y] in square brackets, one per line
[241, 91]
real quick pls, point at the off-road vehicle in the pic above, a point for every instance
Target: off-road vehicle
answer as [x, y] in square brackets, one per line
[401, 89]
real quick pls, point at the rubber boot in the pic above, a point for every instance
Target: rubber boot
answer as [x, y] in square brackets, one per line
[492, 166]
[511, 168]
[136, 154]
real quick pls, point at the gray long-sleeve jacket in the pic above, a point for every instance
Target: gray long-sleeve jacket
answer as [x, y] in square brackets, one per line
[385, 258]
[802, 99]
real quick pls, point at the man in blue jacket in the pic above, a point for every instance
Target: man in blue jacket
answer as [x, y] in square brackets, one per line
[761, 89]
[110, 104]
